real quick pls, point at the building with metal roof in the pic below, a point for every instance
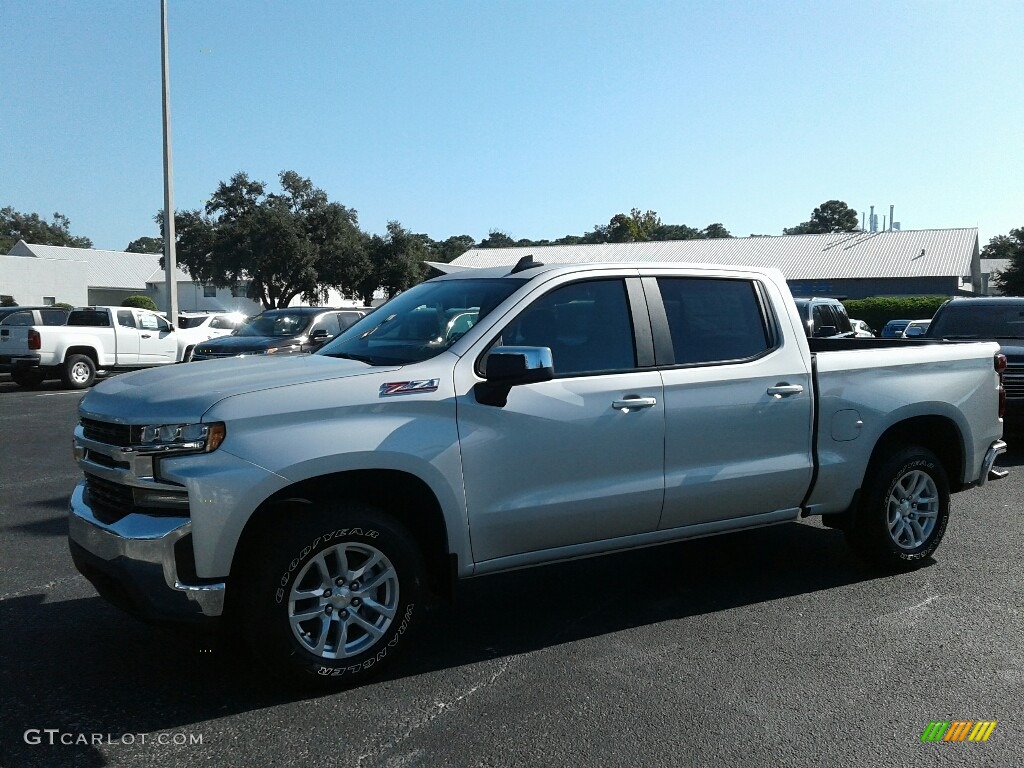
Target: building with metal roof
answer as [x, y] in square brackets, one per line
[843, 264]
[45, 274]
[40, 274]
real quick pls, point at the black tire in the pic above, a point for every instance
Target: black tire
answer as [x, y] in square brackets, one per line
[904, 510]
[78, 372]
[187, 355]
[28, 377]
[289, 557]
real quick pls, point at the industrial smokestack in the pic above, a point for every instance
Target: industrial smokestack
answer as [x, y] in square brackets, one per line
[863, 222]
[871, 220]
[890, 215]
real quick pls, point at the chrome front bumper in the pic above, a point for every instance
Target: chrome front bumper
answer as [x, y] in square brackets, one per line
[987, 472]
[136, 563]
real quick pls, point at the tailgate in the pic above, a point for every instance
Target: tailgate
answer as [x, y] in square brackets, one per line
[14, 342]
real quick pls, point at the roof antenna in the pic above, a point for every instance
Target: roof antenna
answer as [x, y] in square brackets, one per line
[527, 262]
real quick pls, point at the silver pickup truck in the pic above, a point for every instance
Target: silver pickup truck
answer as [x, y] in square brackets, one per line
[499, 418]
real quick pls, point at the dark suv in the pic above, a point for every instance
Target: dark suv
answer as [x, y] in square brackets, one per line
[996, 318]
[824, 318]
[279, 332]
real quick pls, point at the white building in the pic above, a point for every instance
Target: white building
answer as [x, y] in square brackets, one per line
[47, 274]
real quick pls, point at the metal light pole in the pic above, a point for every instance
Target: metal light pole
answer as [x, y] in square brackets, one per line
[170, 259]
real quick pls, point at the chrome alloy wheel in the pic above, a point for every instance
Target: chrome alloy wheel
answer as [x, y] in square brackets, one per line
[343, 600]
[79, 373]
[913, 509]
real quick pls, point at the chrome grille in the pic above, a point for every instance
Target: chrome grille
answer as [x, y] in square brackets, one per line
[105, 432]
[109, 501]
[1013, 381]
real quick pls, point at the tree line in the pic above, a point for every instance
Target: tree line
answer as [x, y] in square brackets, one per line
[296, 242]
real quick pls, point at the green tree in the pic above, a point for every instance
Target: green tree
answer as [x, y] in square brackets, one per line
[396, 262]
[1010, 280]
[146, 245]
[296, 243]
[6, 300]
[32, 228]
[497, 239]
[139, 301]
[830, 216]
[629, 227]
[715, 231]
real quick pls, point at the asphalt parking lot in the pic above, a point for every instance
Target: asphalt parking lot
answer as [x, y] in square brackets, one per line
[765, 648]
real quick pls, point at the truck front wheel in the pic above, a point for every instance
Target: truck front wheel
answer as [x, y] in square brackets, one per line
[331, 595]
[79, 371]
[904, 511]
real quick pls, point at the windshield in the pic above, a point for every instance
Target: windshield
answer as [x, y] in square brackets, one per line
[421, 322]
[980, 321]
[278, 324]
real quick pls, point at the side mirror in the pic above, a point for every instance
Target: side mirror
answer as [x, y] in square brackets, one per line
[508, 367]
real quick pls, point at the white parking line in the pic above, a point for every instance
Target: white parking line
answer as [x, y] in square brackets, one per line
[55, 394]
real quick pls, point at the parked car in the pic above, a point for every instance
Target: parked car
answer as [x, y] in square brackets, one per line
[916, 329]
[824, 318]
[93, 339]
[894, 329]
[1000, 319]
[493, 419]
[25, 316]
[861, 329]
[196, 327]
[288, 331]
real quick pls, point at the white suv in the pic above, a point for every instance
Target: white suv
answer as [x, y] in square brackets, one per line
[196, 327]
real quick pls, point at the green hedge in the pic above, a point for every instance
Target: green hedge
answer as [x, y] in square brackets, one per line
[877, 312]
[139, 302]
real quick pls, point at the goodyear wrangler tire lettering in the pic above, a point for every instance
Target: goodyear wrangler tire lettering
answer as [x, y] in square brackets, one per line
[342, 607]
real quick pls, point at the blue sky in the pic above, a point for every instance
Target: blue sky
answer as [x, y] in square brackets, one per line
[536, 118]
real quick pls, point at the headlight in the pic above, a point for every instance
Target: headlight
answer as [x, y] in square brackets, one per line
[184, 437]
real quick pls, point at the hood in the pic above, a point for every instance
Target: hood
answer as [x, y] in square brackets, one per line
[240, 344]
[1013, 349]
[181, 394]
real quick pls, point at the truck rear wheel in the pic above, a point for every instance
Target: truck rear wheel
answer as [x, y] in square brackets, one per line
[28, 377]
[330, 597]
[79, 371]
[904, 511]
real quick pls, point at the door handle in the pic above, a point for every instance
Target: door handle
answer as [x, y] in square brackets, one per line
[145, 335]
[785, 390]
[633, 402]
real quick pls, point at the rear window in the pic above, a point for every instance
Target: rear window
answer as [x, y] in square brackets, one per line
[22, 318]
[89, 317]
[979, 321]
[190, 322]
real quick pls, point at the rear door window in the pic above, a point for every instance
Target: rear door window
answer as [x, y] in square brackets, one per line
[714, 320]
[53, 316]
[125, 318]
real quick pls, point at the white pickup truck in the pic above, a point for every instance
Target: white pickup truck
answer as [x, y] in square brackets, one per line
[499, 418]
[94, 338]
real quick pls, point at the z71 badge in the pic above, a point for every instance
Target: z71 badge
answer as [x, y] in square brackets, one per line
[409, 387]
